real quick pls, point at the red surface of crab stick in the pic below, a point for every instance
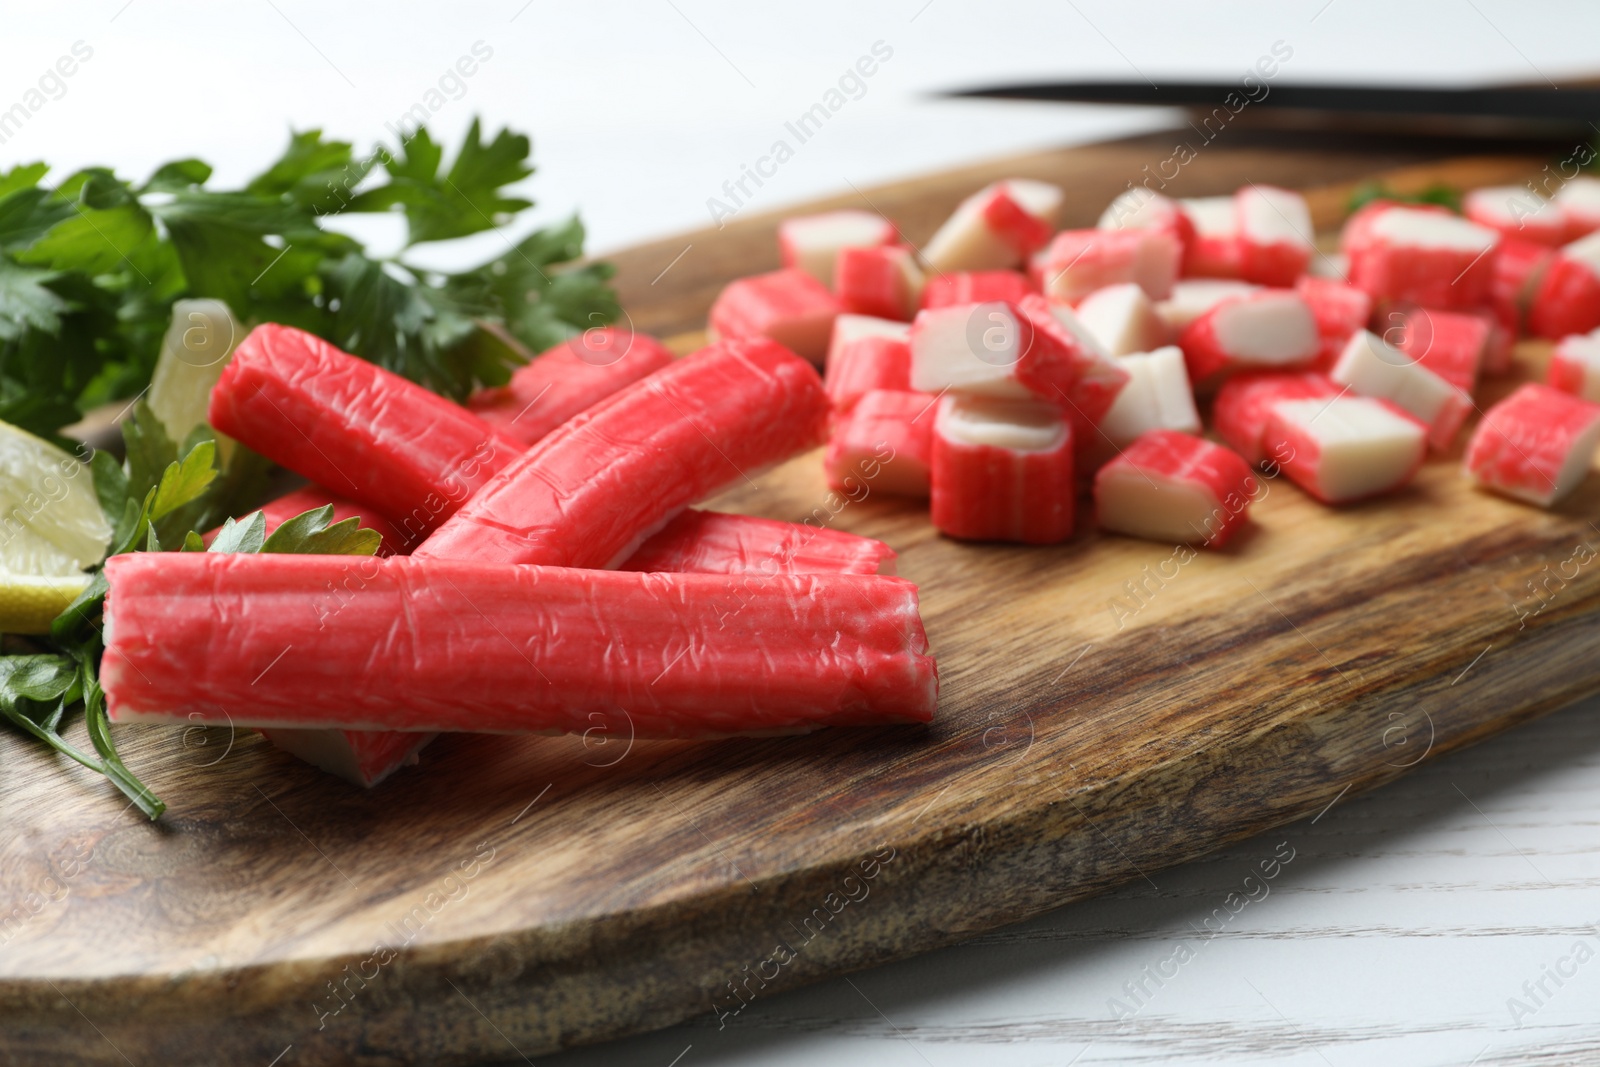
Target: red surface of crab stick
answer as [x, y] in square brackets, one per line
[1536, 445]
[598, 486]
[574, 375]
[711, 542]
[1175, 487]
[1245, 403]
[682, 655]
[354, 427]
[1002, 471]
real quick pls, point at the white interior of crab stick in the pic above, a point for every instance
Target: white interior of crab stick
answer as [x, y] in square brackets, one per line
[1028, 426]
[1122, 319]
[1137, 209]
[1269, 330]
[1575, 365]
[1156, 397]
[1370, 366]
[1268, 216]
[966, 242]
[1431, 229]
[1193, 297]
[847, 328]
[968, 348]
[812, 242]
[1213, 216]
[1152, 505]
[1362, 448]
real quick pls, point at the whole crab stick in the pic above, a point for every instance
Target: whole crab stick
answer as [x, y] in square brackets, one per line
[546, 648]
[574, 375]
[354, 427]
[593, 490]
[713, 542]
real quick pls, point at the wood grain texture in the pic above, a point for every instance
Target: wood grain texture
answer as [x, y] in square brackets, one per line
[512, 896]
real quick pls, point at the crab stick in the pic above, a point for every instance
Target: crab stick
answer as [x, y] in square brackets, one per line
[1575, 366]
[1268, 328]
[1454, 345]
[1193, 297]
[589, 493]
[1175, 487]
[1519, 270]
[1244, 405]
[710, 542]
[1579, 201]
[1535, 445]
[1157, 397]
[565, 380]
[1274, 234]
[849, 328]
[545, 648]
[355, 428]
[998, 226]
[787, 306]
[1002, 471]
[882, 280]
[1214, 250]
[975, 287]
[1096, 378]
[1431, 257]
[1340, 310]
[1372, 367]
[1077, 262]
[1345, 448]
[1567, 300]
[874, 361]
[1516, 211]
[812, 243]
[1143, 209]
[1122, 319]
[883, 445]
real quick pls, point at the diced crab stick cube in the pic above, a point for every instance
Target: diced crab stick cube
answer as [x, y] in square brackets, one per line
[593, 490]
[1275, 234]
[1096, 378]
[850, 328]
[1519, 269]
[884, 445]
[787, 306]
[1568, 297]
[997, 349]
[1077, 262]
[352, 426]
[1340, 310]
[1142, 209]
[883, 280]
[1214, 251]
[482, 647]
[1575, 366]
[1452, 344]
[1176, 488]
[1157, 397]
[1345, 448]
[711, 542]
[867, 363]
[812, 242]
[998, 226]
[1372, 367]
[1268, 328]
[1536, 445]
[1431, 257]
[975, 287]
[1122, 319]
[1244, 405]
[1579, 200]
[572, 376]
[1193, 297]
[1002, 471]
[362, 757]
[1516, 211]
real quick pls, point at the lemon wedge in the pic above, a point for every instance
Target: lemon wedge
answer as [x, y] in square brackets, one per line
[196, 348]
[51, 528]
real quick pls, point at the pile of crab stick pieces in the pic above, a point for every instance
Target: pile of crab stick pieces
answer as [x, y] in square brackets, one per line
[1006, 370]
[542, 570]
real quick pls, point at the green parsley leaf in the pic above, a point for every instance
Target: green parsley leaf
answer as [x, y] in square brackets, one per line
[309, 533]
[241, 535]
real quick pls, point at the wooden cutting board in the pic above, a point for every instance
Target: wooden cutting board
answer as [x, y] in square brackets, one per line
[1109, 707]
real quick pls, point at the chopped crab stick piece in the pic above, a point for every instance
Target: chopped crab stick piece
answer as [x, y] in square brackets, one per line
[352, 426]
[787, 306]
[975, 287]
[867, 363]
[1122, 319]
[1175, 487]
[1516, 211]
[998, 226]
[1567, 300]
[1214, 250]
[1141, 209]
[1269, 328]
[279, 511]
[1002, 471]
[1452, 344]
[687, 655]
[1274, 233]
[1193, 297]
[850, 328]
[1244, 405]
[883, 445]
[812, 243]
[1519, 269]
[1077, 262]
[1575, 366]
[1157, 397]
[883, 280]
[576, 374]
[1345, 448]
[1431, 257]
[594, 489]
[1374, 368]
[362, 757]
[1097, 379]
[989, 349]
[1579, 201]
[1536, 445]
[1340, 310]
[711, 542]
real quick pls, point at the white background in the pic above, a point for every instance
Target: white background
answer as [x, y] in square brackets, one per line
[1406, 920]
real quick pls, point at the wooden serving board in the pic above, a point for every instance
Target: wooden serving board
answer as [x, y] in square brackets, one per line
[1109, 707]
